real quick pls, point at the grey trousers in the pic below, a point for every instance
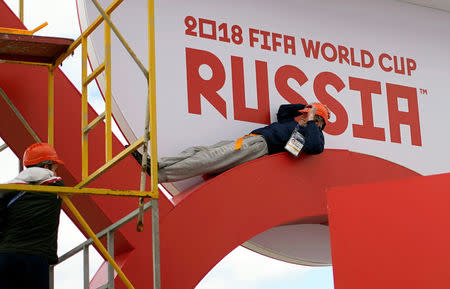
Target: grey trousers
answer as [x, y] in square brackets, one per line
[213, 159]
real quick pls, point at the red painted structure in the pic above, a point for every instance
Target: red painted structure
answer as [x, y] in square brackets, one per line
[391, 234]
[249, 199]
[214, 217]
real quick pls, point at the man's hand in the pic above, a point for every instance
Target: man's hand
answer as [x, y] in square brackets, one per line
[311, 113]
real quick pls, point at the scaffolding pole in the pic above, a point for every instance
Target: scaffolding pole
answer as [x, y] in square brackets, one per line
[154, 154]
[3, 147]
[21, 10]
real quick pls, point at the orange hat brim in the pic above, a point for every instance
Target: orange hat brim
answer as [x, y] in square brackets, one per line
[305, 109]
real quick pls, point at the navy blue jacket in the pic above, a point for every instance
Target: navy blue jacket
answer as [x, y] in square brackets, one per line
[278, 133]
[32, 222]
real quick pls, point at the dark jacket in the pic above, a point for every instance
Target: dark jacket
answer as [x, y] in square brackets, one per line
[278, 133]
[32, 220]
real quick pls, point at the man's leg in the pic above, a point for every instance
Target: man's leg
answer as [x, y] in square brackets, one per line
[39, 272]
[20, 271]
[212, 159]
[11, 273]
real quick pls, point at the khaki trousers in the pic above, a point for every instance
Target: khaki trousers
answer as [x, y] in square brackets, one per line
[213, 159]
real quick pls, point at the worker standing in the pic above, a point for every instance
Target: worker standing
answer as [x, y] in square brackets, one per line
[29, 222]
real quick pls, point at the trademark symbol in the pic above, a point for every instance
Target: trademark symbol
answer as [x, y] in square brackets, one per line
[423, 91]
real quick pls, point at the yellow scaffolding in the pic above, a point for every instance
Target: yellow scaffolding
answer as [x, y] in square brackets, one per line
[110, 161]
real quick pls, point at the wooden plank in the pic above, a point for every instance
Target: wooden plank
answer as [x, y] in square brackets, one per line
[30, 48]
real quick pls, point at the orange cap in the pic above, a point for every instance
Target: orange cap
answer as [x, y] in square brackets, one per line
[321, 110]
[39, 152]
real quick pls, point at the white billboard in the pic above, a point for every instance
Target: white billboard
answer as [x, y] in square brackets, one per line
[224, 67]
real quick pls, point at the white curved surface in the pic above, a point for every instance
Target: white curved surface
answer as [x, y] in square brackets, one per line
[304, 244]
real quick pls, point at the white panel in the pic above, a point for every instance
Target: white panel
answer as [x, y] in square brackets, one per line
[436, 4]
[394, 28]
[304, 244]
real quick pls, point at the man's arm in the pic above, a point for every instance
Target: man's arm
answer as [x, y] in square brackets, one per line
[314, 140]
[289, 111]
[5, 196]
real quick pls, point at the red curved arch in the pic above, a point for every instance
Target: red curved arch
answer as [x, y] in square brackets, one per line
[210, 221]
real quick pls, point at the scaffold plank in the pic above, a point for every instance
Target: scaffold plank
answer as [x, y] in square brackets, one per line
[30, 48]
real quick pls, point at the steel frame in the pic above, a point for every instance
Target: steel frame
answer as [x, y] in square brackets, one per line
[110, 161]
[63, 192]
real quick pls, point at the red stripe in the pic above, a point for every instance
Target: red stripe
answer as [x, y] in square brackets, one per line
[52, 180]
